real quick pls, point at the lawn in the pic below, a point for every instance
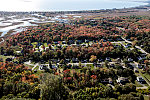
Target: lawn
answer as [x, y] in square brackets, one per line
[137, 84]
[5, 57]
[124, 43]
[36, 68]
[17, 48]
[146, 98]
[45, 44]
[90, 65]
[34, 44]
[28, 66]
[38, 72]
[147, 76]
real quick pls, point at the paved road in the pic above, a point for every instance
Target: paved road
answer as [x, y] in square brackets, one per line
[81, 63]
[29, 63]
[139, 71]
[37, 64]
[41, 49]
[120, 43]
[142, 87]
[143, 51]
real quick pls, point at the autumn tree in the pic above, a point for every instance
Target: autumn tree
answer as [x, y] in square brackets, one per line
[93, 58]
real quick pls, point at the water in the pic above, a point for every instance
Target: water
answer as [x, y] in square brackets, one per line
[6, 29]
[22, 26]
[63, 5]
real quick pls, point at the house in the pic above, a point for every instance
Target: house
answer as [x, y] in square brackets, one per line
[119, 39]
[87, 41]
[98, 65]
[75, 60]
[69, 66]
[83, 61]
[116, 46]
[42, 61]
[108, 59]
[129, 45]
[55, 60]
[5, 54]
[104, 40]
[70, 42]
[54, 66]
[139, 66]
[100, 60]
[9, 59]
[46, 48]
[118, 60]
[18, 52]
[63, 42]
[130, 59]
[55, 42]
[141, 46]
[112, 65]
[122, 80]
[110, 40]
[107, 81]
[140, 58]
[129, 39]
[141, 79]
[83, 45]
[39, 44]
[67, 60]
[143, 55]
[130, 66]
[136, 70]
[78, 41]
[126, 46]
[43, 67]
[16, 62]
[35, 70]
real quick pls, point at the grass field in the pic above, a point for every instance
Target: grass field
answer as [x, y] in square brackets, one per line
[137, 84]
[146, 98]
[147, 76]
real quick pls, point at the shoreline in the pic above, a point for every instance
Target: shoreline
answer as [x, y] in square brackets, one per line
[91, 13]
[13, 24]
[63, 11]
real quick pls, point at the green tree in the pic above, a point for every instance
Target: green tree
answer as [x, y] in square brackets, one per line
[52, 88]
[108, 91]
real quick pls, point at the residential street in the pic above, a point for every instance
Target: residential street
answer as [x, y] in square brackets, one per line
[29, 63]
[143, 51]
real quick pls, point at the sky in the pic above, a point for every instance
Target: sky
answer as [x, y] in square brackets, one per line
[44, 5]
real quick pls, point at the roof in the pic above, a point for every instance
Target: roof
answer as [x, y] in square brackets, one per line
[122, 79]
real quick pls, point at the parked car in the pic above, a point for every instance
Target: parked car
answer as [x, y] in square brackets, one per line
[130, 59]
[108, 59]
[130, 66]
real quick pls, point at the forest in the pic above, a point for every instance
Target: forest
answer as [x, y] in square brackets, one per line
[98, 42]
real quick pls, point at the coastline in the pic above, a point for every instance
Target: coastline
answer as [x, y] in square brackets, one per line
[137, 10]
[147, 3]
